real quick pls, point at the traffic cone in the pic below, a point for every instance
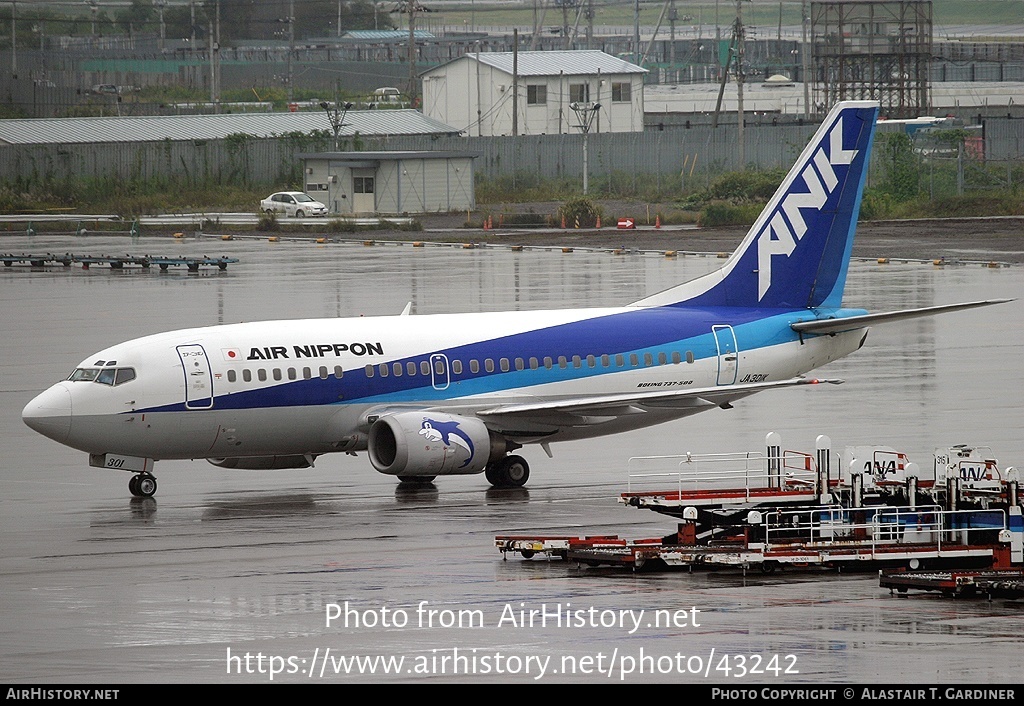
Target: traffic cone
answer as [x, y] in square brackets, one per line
[598, 224]
[487, 225]
[563, 221]
[657, 221]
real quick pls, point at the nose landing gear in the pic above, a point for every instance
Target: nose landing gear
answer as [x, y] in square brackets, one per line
[142, 485]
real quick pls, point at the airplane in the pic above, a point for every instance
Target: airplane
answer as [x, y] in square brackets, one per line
[456, 394]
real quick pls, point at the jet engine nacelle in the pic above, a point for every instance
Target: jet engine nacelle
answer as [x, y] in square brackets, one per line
[431, 444]
[263, 463]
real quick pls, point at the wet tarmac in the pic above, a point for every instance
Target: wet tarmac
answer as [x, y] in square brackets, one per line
[248, 577]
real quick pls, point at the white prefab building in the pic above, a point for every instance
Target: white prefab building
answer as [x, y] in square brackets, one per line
[364, 183]
[475, 92]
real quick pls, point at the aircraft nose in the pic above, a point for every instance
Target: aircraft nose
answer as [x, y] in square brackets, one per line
[50, 413]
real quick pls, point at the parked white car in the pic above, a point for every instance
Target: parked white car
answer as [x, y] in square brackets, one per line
[293, 204]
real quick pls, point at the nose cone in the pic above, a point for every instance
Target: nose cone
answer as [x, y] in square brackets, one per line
[50, 413]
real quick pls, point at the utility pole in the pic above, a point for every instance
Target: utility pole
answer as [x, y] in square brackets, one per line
[14, 40]
[805, 60]
[411, 6]
[739, 81]
[590, 24]
[161, 4]
[673, 15]
[291, 49]
[636, 32]
[216, 61]
[515, 82]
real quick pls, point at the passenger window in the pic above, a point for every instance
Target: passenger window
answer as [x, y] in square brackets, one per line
[577, 361]
[383, 370]
[534, 364]
[619, 360]
[262, 375]
[397, 368]
[505, 367]
[247, 375]
[520, 364]
[128, 374]
[591, 361]
[675, 357]
[425, 368]
[410, 367]
[606, 360]
[634, 360]
[548, 362]
[489, 365]
[324, 374]
[689, 356]
[338, 372]
[648, 359]
[291, 374]
[277, 373]
[439, 366]
[232, 376]
[457, 367]
[307, 373]
[662, 359]
[562, 362]
[369, 371]
[474, 366]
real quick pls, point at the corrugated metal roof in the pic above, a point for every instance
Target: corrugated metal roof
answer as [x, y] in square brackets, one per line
[392, 155]
[154, 128]
[582, 62]
[387, 34]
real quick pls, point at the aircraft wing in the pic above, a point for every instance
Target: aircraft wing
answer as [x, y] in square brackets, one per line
[595, 410]
[855, 322]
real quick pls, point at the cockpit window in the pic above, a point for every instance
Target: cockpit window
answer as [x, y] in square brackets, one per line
[104, 376]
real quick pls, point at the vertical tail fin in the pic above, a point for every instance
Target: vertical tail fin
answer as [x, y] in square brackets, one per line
[798, 251]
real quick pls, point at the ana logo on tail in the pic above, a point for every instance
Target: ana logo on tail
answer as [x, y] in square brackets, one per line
[779, 237]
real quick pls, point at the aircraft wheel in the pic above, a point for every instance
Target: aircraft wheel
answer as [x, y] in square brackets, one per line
[133, 485]
[509, 472]
[517, 471]
[146, 485]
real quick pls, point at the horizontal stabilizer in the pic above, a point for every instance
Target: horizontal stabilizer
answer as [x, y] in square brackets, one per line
[855, 322]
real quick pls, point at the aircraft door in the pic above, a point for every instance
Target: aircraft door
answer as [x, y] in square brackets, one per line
[198, 377]
[439, 371]
[728, 354]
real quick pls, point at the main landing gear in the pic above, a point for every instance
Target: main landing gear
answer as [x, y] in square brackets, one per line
[142, 485]
[509, 472]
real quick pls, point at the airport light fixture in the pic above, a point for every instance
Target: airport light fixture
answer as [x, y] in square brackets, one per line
[336, 115]
[586, 112]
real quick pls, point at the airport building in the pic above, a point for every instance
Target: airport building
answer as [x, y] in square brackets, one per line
[536, 93]
[364, 183]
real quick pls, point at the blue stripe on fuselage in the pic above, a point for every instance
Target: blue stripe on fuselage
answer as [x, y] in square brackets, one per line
[642, 331]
